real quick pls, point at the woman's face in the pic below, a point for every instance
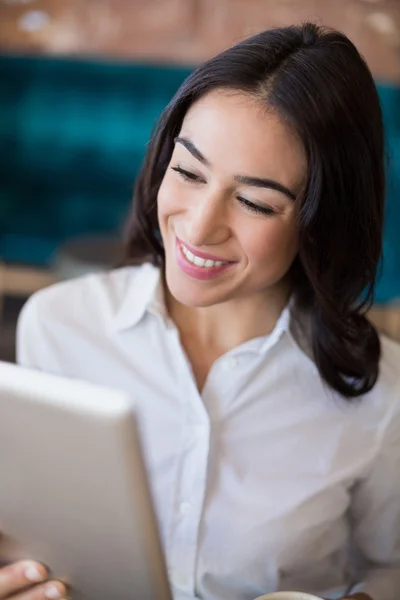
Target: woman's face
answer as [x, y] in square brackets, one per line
[226, 205]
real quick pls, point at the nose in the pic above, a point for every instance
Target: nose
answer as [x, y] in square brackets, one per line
[208, 221]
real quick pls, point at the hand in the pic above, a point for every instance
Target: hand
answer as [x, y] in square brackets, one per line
[27, 580]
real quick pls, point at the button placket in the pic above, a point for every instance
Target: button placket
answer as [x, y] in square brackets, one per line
[221, 382]
[185, 508]
[191, 484]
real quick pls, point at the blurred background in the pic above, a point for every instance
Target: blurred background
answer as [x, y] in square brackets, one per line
[81, 85]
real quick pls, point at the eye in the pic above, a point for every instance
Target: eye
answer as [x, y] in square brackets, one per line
[187, 175]
[254, 208]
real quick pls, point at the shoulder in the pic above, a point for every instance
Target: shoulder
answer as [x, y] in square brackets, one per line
[376, 408]
[73, 311]
[385, 396]
[78, 299]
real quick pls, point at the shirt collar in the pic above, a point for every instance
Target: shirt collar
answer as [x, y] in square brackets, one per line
[282, 327]
[143, 291]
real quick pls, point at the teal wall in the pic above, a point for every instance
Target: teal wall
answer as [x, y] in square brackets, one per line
[73, 134]
[389, 282]
[72, 138]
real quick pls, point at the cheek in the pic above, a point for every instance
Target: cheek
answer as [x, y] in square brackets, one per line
[162, 199]
[272, 243]
[169, 199]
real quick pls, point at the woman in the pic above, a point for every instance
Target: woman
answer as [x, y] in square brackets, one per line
[270, 413]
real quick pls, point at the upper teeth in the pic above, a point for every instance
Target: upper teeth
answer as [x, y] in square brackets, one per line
[200, 262]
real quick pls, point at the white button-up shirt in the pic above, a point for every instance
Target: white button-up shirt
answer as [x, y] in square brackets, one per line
[265, 481]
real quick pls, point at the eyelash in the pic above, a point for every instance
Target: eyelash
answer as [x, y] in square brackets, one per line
[253, 208]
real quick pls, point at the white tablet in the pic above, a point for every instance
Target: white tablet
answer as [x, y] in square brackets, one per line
[73, 488]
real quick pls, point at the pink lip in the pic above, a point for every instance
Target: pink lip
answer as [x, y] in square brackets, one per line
[204, 255]
[195, 271]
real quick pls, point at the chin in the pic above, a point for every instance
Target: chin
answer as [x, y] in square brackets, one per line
[192, 293]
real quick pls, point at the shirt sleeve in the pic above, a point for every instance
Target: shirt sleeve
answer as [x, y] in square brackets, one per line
[376, 516]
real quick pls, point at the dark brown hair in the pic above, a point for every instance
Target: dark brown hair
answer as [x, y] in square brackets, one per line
[318, 82]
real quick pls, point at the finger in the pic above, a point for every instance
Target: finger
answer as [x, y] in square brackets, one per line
[51, 590]
[20, 575]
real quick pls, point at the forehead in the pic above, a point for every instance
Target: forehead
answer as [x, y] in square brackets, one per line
[237, 133]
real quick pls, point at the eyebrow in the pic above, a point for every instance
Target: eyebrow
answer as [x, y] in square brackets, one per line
[259, 182]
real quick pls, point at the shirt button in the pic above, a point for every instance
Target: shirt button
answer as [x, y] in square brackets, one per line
[230, 363]
[185, 508]
[180, 579]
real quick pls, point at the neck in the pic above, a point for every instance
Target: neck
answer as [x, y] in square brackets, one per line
[229, 324]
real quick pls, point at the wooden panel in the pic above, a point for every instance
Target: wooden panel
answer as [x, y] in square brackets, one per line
[137, 28]
[387, 320]
[23, 281]
[134, 28]
[15, 35]
[190, 31]
[373, 26]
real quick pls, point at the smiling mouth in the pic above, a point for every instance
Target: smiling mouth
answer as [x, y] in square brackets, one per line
[201, 262]
[199, 267]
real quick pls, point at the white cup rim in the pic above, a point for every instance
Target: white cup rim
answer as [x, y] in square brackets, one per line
[289, 596]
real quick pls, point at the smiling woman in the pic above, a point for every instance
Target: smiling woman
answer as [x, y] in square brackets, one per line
[278, 143]
[269, 406]
[229, 194]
